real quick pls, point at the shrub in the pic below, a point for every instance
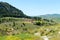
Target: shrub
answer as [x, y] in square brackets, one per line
[12, 38]
[38, 23]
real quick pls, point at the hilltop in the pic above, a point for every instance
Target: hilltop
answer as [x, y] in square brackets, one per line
[7, 10]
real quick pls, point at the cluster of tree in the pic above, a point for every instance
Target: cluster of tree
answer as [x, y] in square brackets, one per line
[46, 22]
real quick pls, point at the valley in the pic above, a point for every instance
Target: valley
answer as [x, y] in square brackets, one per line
[15, 25]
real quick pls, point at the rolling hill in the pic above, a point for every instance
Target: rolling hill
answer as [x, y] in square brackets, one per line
[15, 25]
[55, 17]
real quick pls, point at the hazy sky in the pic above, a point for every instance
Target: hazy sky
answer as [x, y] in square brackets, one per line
[36, 7]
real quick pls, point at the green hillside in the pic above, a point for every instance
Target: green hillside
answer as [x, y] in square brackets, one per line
[20, 25]
[15, 25]
[7, 10]
[18, 28]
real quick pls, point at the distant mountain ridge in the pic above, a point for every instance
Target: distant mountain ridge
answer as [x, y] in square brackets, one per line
[51, 16]
[7, 10]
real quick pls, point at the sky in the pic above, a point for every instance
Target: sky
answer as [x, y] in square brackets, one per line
[36, 7]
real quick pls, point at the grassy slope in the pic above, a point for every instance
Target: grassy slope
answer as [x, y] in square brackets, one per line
[43, 30]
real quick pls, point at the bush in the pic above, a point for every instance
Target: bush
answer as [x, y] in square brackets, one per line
[38, 23]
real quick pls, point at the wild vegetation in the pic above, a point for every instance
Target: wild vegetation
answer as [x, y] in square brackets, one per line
[15, 25]
[18, 28]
